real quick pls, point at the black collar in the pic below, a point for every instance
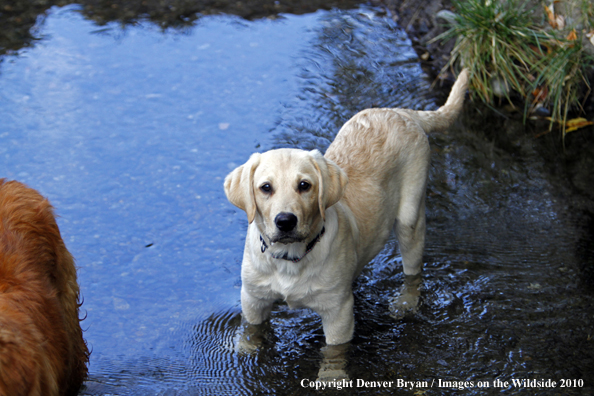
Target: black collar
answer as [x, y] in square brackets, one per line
[308, 248]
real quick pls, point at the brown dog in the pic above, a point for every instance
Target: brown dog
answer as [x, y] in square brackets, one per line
[42, 351]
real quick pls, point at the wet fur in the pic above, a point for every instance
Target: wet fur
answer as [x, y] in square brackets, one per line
[42, 350]
[371, 180]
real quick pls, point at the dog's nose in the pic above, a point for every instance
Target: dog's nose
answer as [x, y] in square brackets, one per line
[285, 221]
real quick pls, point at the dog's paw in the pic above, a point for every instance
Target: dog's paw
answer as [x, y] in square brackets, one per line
[408, 299]
[330, 375]
[247, 340]
[332, 367]
[404, 304]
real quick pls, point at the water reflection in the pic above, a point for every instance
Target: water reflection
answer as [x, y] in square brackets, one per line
[130, 137]
[358, 60]
[288, 350]
[21, 21]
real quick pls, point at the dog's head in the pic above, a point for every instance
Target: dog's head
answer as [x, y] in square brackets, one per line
[287, 192]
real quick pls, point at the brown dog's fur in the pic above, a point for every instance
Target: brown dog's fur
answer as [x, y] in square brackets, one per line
[42, 350]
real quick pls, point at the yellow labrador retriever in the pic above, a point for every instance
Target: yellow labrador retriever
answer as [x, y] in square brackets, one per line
[315, 221]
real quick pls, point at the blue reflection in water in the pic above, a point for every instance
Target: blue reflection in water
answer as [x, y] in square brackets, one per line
[129, 133]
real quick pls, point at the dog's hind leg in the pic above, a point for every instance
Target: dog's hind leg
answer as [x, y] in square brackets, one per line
[408, 299]
[409, 228]
[411, 240]
[410, 216]
[410, 231]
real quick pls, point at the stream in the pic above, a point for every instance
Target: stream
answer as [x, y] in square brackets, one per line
[130, 129]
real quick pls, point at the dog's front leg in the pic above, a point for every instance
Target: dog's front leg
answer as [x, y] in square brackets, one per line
[339, 320]
[255, 310]
[334, 362]
[248, 338]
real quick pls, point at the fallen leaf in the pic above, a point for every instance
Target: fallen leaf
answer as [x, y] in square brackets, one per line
[540, 94]
[572, 36]
[576, 123]
[560, 21]
[573, 124]
[551, 16]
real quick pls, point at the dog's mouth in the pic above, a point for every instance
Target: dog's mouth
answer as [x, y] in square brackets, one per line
[286, 239]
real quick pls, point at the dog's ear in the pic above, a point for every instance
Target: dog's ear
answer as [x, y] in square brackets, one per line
[332, 181]
[239, 186]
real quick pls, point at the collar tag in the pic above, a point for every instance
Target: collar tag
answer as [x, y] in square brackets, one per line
[264, 245]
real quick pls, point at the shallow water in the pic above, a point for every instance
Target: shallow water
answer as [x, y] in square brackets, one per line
[129, 131]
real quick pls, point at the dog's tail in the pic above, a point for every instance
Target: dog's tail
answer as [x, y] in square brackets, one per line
[446, 115]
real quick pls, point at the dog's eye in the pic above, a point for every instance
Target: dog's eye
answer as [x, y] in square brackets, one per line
[304, 186]
[266, 188]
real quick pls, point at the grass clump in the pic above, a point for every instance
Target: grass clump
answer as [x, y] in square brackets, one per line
[518, 46]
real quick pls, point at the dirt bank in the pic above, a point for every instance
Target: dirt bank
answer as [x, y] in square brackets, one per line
[417, 18]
